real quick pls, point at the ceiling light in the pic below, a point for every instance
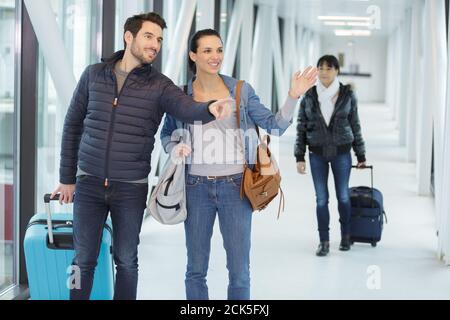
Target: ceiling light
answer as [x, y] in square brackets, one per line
[340, 18]
[350, 33]
[334, 23]
[347, 23]
[358, 24]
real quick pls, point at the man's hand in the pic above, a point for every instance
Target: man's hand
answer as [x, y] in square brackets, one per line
[66, 192]
[302, 82]
[301, 167]
[221, 109]
[361, 165]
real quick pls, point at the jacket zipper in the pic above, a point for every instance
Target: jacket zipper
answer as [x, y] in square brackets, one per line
[111, 124]
[339, 101]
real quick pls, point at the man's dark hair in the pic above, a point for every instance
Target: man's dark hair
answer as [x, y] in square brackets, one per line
[134, 23]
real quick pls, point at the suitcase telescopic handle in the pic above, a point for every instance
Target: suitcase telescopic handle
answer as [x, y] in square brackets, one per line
[47, 201]
[49, 217]
[371, 178]
[371, 173]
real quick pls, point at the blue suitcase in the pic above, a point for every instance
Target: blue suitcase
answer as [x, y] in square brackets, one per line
[48, 246]
[367, 213]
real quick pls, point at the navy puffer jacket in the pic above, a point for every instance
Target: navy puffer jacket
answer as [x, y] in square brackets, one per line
[110, 134]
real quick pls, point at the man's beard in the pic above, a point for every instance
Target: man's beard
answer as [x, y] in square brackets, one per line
[139, 56]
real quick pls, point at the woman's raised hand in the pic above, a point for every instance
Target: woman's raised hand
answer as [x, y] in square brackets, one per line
[302, 82]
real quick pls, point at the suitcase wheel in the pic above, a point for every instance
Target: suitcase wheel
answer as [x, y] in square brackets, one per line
[374, 244]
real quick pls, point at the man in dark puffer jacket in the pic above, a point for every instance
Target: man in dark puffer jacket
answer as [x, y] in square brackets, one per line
[106, 149]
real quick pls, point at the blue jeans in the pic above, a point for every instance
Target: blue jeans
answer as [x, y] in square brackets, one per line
[93, 201]
[205, 198]
[341, 166]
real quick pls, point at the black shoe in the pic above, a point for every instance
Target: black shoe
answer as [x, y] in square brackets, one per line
[345, 243]
[324, 249]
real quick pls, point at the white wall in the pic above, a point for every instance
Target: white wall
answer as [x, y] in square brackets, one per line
[370, 53]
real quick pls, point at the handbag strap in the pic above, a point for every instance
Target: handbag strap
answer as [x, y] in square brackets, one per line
[239, 85]
[281, 205]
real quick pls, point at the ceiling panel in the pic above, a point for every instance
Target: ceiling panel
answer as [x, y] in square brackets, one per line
[307, 11]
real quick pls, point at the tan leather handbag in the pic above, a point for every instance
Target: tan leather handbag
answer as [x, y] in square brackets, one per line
[262, 183]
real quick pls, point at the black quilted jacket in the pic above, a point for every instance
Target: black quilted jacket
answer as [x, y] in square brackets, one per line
[343, 132]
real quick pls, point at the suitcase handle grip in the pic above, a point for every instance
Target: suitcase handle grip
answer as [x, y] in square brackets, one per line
[365, 167]
[49, 215]
[47, 198]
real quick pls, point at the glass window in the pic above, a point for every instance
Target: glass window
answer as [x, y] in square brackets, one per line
[7, 87]
[124, 10]
[77, 20]
[225, 14]
[226, 7]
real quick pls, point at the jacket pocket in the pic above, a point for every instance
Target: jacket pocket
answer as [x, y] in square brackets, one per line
[343, 136]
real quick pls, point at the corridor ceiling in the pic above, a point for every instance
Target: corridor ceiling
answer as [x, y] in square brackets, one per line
[307, 12]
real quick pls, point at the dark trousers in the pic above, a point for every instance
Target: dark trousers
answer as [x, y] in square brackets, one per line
[93, 201]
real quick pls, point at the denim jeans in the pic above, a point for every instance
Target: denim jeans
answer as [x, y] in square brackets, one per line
[341, 166]
[205, 198]
[93, 202]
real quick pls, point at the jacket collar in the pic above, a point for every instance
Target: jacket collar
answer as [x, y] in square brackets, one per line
[344, 90]
[112, 60]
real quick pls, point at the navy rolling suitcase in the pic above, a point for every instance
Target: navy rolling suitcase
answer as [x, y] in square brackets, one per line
[367, 213]
[48, 247]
